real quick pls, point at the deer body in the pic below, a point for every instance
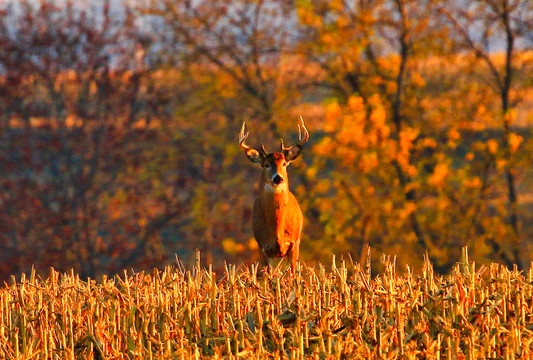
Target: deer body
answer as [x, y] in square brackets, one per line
[277, 221]
[277, 218]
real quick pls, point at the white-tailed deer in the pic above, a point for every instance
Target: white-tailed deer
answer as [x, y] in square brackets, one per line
[277, 218]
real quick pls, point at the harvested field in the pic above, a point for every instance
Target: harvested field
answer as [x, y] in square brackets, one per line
[334, 312]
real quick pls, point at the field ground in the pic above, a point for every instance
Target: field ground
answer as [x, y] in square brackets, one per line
[337, 312]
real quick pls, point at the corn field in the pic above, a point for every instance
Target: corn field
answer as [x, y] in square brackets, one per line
[337, 312]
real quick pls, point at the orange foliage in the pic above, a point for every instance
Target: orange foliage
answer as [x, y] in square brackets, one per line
[112, 161]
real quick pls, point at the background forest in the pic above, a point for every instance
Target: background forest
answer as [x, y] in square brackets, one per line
[119, 127]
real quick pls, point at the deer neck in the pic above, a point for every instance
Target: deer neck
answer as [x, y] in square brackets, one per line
[274, 200]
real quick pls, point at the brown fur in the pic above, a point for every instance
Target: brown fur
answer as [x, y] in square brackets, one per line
[277, 218]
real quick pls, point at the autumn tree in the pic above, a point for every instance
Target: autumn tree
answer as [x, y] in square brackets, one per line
[119, 126]
[234, 54]
[242, 40]
[73, 82]
[372, 51]
[484, 28]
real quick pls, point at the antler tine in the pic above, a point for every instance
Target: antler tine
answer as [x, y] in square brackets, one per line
[282, 144]
[263, 148]
[300, 140]
[242, 137]
[306, 133]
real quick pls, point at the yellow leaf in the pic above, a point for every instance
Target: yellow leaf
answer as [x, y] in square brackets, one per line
[515, 141]
[305, 15]
[322, 186]
[368, 162]
[418, 80]
[326, 147]
[311, 172]
[388, 206]
[355, 103]
[407, 136]
[429, 143]
[378, 117]
[472, 183]
[391, 87]
[231, 247]
[252, 244]
[327, 39]
[408, 208]
[333, 112]
[510, 116]
[453, 134]
[336, 5]
[343, 21]
[492, 146]
[439, 173]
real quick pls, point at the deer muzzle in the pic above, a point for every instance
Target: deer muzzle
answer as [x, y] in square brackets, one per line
[277, 179]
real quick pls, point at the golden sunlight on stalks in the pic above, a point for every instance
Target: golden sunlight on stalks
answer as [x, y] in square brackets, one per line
[334, 313]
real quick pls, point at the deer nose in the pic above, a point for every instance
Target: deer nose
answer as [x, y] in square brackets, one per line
[276, 179]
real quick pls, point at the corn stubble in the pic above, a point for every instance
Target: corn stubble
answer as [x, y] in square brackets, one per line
[335, 313]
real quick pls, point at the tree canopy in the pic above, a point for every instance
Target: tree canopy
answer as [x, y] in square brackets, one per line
[119, 124]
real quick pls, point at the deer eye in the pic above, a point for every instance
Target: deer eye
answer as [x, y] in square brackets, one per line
[285, 164]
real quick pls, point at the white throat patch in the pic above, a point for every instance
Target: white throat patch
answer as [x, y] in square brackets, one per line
[274, 189]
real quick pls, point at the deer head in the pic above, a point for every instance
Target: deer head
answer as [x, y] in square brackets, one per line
[274, 164]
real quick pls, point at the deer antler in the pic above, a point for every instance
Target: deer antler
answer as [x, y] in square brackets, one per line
[300, 140]
[242, 139]
[243, 136]
[263, 149]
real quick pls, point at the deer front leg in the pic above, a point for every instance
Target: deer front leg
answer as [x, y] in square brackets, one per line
[295, 253]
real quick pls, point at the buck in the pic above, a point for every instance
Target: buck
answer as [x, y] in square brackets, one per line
[277, 218]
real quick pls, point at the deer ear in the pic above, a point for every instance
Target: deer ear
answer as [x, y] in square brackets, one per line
[254, 156]
[292, 153]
